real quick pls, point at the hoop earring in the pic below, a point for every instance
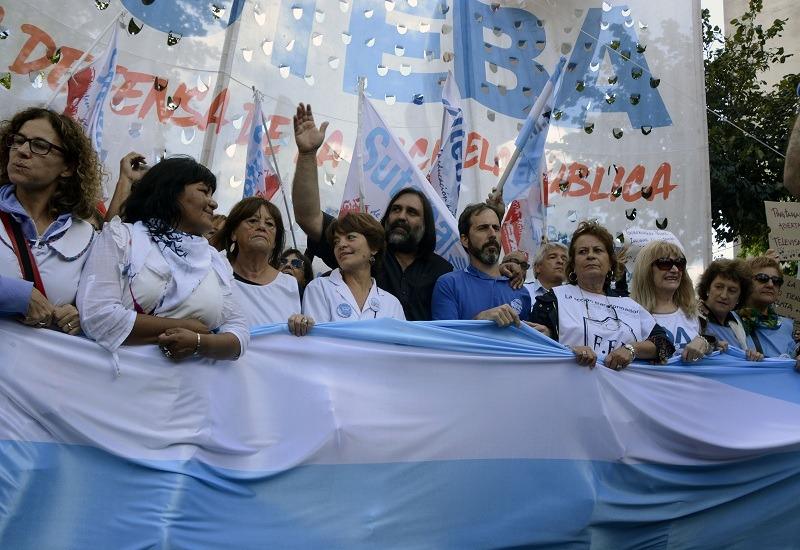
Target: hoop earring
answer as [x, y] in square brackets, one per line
[372, 260]
[572, 278]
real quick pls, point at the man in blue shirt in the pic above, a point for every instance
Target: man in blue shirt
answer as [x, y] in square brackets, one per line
[479, 291]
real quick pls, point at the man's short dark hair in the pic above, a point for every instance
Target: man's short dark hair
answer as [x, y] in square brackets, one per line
[465, 219]
[427, 244]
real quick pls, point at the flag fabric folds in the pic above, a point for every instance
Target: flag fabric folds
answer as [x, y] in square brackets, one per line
[392, 434]
[87, 91]
[445, 171]
[380, 168]
[261, 178]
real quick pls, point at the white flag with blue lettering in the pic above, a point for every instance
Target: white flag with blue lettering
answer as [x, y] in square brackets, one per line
[445, 172]
[380, 168]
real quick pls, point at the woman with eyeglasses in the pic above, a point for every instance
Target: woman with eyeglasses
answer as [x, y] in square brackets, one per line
[253, 237]
[583, 315]
[50, 181]
[770, 333]
[155, 279]
[660, 283]
[298, 265]
[349, 293]
[724, 287]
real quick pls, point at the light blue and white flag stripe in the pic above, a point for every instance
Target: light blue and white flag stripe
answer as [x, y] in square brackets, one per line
[393, 435]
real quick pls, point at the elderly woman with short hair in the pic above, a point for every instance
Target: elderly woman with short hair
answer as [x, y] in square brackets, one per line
[349, 293]
[770, 333]
[585, 317]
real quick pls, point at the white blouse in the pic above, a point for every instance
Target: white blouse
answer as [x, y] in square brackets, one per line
[329, 299]
[108, 289]
[60, 259]
[680, 329]
[603, 323]
[271, 303]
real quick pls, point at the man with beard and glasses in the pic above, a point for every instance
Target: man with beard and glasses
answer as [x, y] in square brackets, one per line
[480, 291]
[409, 268]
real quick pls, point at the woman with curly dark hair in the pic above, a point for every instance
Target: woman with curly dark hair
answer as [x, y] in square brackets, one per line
[155, 279]
[585, 316]
[50, 181]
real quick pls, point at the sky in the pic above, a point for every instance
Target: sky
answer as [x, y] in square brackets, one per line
[715, 7]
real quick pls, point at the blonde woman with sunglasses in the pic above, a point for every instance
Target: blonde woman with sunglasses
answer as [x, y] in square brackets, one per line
[661, 284]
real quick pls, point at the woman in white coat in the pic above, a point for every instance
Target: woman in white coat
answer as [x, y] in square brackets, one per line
[350, 292]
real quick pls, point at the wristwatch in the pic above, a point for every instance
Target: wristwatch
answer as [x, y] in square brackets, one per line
[631, 349]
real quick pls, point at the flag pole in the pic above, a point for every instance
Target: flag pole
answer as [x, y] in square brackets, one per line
[362, 199]
[278, 173]
[72, 70]
[527, 128]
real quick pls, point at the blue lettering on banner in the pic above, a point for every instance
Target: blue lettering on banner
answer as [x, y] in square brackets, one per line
[475, 56]
[631, 90]
[299, 30]
[456, 138]
[382, 170]
[372, 38]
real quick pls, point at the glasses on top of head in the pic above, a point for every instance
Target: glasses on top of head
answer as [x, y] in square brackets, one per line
[296, 263]
[665, 264]
[38, 146]
[763, 278]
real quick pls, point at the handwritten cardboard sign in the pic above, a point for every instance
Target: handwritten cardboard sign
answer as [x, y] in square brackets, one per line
[788, 303]
[783, 219]
[636, 238]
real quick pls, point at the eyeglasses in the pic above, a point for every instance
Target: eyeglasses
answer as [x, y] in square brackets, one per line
[296, 263]
[38, 146]
[665, 264]
[523, 265]
[763, 278]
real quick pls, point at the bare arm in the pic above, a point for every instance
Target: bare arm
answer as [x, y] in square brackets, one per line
[131, 169]
[791, 167]
[147, 328]
[305, 186]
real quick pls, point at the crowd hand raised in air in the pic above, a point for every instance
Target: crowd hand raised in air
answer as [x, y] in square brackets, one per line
[300, 325]
[306, 134]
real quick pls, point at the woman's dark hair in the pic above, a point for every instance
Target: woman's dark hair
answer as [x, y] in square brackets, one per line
[77, 194]
[595, 229]
[734, 270]
[242, 210]
[427, 243]
[308, 270]
[154, 198]
[359, 222]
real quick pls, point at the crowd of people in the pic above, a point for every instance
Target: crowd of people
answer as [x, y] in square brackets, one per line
[161, 268]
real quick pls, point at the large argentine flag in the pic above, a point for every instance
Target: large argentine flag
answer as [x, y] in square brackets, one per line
[380, 168]
[388, 434]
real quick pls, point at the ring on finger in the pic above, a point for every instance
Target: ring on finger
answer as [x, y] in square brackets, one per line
[41, 324]
[69, 326]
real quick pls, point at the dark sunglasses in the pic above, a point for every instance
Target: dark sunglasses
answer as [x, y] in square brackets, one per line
[665, 264]
[38, 146]
[763, 278]
[296, 263]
